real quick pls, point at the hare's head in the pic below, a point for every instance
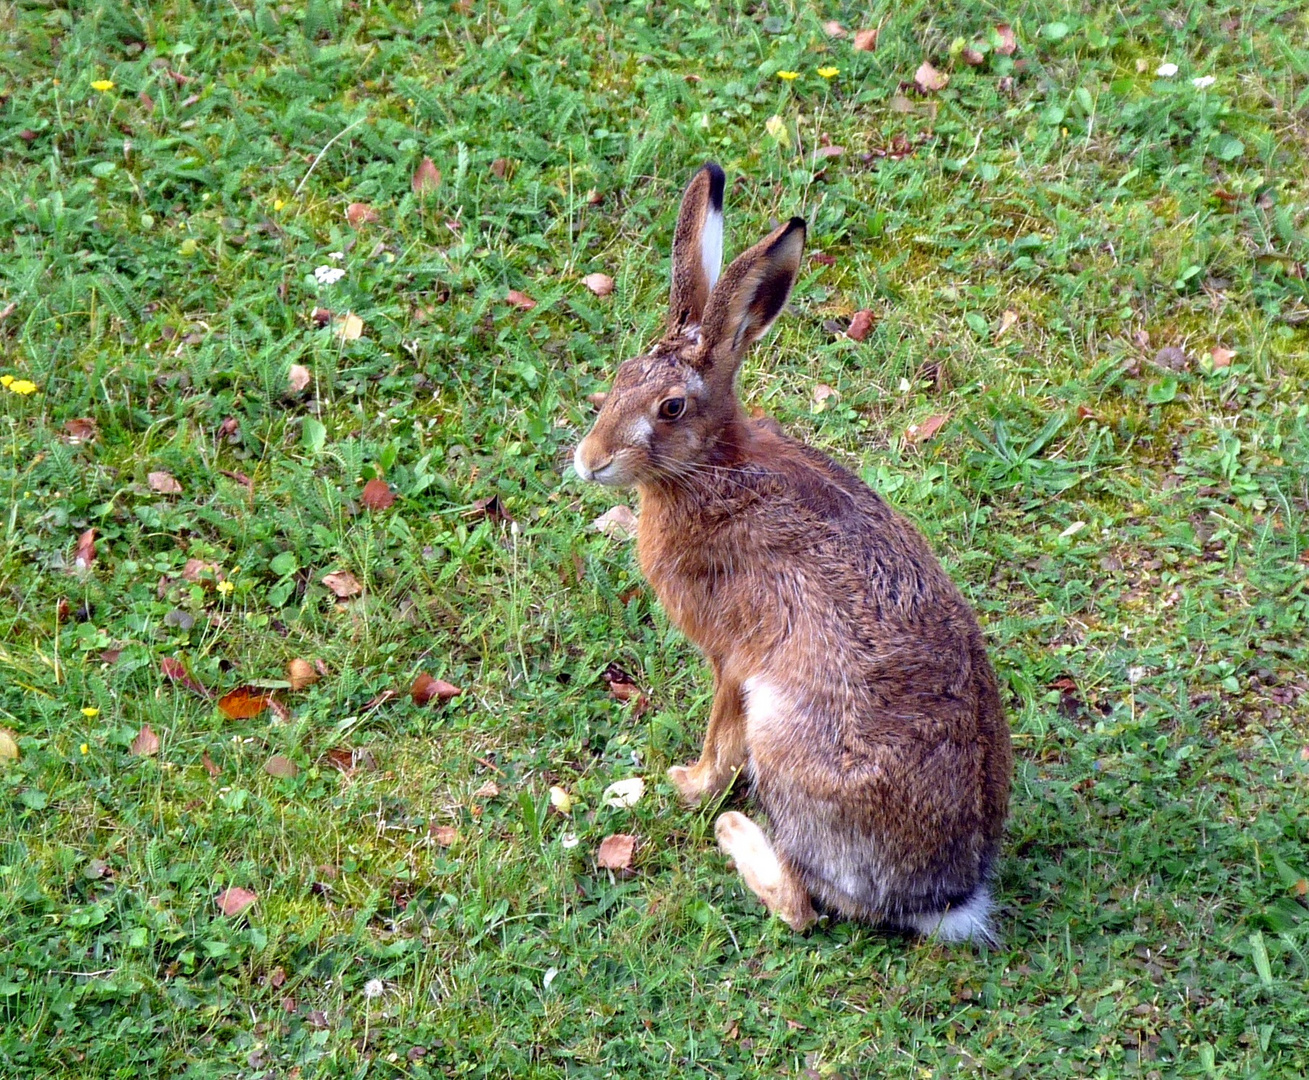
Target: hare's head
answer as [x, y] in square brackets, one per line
[669, 409]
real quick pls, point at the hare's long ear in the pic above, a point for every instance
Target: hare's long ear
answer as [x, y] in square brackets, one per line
[749, 297]
[697, 247]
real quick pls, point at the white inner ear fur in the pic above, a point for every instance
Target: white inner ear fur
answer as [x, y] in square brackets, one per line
[711, 246]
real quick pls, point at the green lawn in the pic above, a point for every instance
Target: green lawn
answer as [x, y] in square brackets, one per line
[1052, 247]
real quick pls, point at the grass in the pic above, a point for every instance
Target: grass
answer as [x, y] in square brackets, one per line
[1133, 533]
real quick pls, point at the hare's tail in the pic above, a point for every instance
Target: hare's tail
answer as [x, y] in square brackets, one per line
[967, 921]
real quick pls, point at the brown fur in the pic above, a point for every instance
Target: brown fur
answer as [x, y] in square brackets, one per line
[851, 679]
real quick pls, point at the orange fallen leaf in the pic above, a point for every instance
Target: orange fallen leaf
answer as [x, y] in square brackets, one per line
[232, 902]
[343, 584]
[243, 702]
[427, 177]
[300, 673]
[164, 483]
[281, 767]
[860, 324]
[85, 550]
[146, 743]
[920, 433]
[866, 40]
[616, 852]
[360, 213]
[378, 494]
[928, 79]
[624, 691]
[1221, 357]
[600, 284]
[520, 300]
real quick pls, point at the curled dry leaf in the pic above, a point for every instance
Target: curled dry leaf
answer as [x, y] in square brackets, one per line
[198, 570]
[616, 852]
[920, 433]
[343, 584]
[146, 743]
[426, 178]
[499, 167]
[427, 689]
[164, 483]
[360, 213]
[243, 702]
[8, 746]
[82, 430]
[348, 327]
[600, 284]
[1007, 321]
[232, 902]
[1221, 357]
[281, 767]
[378, 494]
[213, 770]
[866, 40]
[624, 793]
[832, 28]
[520, 300]
[175, 671]
[617, 524]
[445, 835]
[1006, 43]
[85, 556]
[301, 673]
[829, 151]
[973, 57]
[821, 393]
[488, 790]
[297, 375]
[624, 691]
[860, 325]
[928, 79]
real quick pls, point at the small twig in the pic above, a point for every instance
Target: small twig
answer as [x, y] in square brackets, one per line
[325, 149]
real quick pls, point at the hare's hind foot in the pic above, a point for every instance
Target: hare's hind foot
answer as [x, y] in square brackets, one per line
[767, 876]
[700, 781]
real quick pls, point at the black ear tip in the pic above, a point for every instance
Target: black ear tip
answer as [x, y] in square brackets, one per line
[717, 184]
[796, 223]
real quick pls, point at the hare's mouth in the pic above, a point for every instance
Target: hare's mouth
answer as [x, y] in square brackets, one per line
[610, 472]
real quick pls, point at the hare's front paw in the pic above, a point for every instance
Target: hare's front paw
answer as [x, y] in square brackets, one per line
[693, 782]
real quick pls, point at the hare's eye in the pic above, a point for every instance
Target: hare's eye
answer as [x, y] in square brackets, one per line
[671, 408]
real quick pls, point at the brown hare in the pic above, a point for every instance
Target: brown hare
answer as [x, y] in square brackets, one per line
[851, 680]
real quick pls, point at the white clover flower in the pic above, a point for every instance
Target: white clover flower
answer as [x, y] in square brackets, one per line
[328, 275]
[335, 256]
[1203, 81]
[1166, 71]
[373, 989]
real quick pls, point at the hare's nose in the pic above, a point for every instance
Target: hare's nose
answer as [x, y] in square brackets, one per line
[585, 471]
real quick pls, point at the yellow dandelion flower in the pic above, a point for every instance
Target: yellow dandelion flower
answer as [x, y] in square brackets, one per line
[225, 587]
[788, 75]
[278, 204]
[22, 386]
[90, 712]
[829, 72]
[84, 748]
[103, 85]
[6, 380]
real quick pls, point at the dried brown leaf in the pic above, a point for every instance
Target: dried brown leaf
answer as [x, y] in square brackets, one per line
[617, 524]
[866, 40]
[213, 770]
[929, 80]
[232, 902]
[973, 57]
[281, 767]
[616, 852]
[343, 584]
[8, 746]
[297, 376]
[175, 671]
[829, 151]
[624, 691]
[920, 433]
[360, 213]
[146, 743]
[821, 393]
[85, 556]
[1007, 321]
[832, 28]
[1221, 357]
[860, 325]
[348, 327]
[164, 483]
[426, 178]
[81, 430]
[300, 674]
[445, 835]
[520, 300]
[488, 790]
[1006, 43]
[377, 494]
[600, 284]
[427, 689]
[500, 167]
